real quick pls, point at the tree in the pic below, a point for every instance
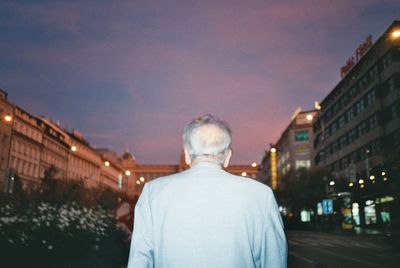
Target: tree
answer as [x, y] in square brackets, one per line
[301, 188]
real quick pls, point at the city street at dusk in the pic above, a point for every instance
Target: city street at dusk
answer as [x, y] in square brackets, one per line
[197, 134]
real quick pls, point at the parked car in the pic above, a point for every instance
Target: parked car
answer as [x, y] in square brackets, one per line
[392, 233]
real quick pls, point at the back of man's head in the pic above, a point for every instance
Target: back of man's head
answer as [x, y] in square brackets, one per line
[207, 138]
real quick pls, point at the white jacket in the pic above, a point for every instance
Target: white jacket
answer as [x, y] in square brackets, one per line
[205, 217]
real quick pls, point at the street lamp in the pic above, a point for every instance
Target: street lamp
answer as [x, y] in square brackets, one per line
[396, 34]
[73, 148]
[128, 173]
[107, 164]
[8, 118]
[274, 175]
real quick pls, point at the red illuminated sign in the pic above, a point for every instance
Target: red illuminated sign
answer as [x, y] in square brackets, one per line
[359, 53]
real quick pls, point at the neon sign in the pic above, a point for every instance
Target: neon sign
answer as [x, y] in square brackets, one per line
[359, 53]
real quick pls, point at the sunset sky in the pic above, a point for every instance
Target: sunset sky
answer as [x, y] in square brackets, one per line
[131, 74]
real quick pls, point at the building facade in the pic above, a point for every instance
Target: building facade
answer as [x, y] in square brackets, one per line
[357, 135]
[6, 118]
[33, 148]
[138, 174]
[292, 151]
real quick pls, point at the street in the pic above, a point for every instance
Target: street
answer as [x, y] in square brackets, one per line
[322, 250]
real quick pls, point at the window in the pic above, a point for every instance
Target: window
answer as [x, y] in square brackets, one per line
[335, 147]
[352, 135]
[341, 121]
[386, 61]
[393, 111]
[391, 84]
[343, 141]
[329, 114]
[352, 91]
[302, 150]
[343, 100]
[375, 147]
[336, 107]
[362, 128]
[373, 71]
[360, 106]
[362, 82]
[353, 157]
[333, 127]
[371, 97]
[303, 164]
[350, 114]
[373, 121]
[301, 135]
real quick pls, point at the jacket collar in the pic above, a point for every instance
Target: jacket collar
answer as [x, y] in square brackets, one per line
[206, 164]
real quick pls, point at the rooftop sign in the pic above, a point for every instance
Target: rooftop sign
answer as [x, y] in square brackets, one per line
[359, 53]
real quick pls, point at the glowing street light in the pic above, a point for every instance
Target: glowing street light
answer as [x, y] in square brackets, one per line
[244, 174]
[8, 118]
[309, 117]
[351, 184]
[396, 34]
[141, 179]
[128, 173]
[254, 164]
[361, 181]
[372, 177]
[137, 182]
[274, 174]
[331, 183]
[73, 148]
[107, 164]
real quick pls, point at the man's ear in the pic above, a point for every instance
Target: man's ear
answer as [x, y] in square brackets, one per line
[228, 158]
[188, 161]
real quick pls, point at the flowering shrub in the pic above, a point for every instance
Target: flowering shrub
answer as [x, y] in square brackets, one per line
[37, 233]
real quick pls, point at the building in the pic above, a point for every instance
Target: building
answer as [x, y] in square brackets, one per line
[139, 174]
[292, 151]
[6, 118]
[33, 148]
[357, 134]
[26, 147]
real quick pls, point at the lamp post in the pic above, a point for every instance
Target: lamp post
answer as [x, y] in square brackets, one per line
[274, 179]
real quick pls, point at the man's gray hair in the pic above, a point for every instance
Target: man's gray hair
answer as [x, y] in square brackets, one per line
[208, 137]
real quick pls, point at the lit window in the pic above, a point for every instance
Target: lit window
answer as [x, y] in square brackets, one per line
[302, 164]
[301, 136]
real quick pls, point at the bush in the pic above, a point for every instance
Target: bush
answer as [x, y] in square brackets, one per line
[54, 227]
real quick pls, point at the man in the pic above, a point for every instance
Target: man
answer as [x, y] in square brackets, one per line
[204, 216]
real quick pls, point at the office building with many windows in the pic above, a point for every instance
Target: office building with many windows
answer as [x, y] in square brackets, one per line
[357, 134]
[293, 150]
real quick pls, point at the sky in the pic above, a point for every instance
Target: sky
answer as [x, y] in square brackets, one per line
[130, 74]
